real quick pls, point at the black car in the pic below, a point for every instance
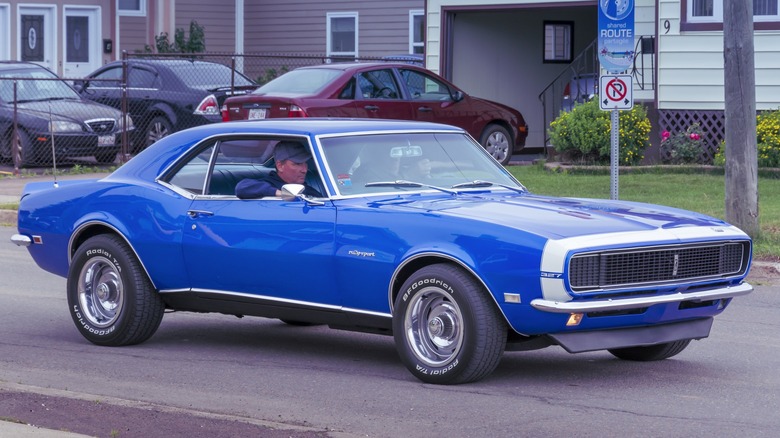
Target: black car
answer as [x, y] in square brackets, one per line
[48, 119]
[166, 95]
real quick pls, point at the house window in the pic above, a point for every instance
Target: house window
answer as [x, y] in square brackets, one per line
[558, 41]
[131, 7]
[416, 32]
[708, 14]
[342, 36]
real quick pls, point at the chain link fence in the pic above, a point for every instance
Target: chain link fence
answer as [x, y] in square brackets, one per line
[150, 96]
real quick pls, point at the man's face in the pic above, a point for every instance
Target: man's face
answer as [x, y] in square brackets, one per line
[291, 172]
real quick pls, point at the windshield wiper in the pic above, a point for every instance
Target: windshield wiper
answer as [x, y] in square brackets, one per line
[410, 184]
[478, 183]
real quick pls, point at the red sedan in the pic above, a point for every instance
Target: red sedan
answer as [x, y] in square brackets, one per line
[384, 91]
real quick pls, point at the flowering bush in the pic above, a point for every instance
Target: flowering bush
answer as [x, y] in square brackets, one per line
[767, 139]
[584, 134]
[683, 147]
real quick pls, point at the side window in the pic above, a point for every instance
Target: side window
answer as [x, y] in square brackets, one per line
[378, 84]
[110, 78]
[141, 78]
[424, 87]
[348, 92]
[192, 175]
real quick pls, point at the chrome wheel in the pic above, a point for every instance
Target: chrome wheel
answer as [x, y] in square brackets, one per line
[159, 127]
[100, 292]
[497, 145]
[434, 327]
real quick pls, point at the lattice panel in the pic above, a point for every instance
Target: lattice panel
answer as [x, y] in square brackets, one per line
[713, 125]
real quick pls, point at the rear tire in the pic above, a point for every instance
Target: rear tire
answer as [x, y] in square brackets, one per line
[651, 352]
[158, 128]
[447, 329]
[110, 298]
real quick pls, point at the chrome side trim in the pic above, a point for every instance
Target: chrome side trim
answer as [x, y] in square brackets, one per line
[279, 300]
[638, 303]
[21, 240]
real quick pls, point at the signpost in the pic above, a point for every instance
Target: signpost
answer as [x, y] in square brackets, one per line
[616, 55]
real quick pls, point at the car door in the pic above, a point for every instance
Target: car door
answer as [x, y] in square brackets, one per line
[378, 95]
[432, 100]
[262, 247]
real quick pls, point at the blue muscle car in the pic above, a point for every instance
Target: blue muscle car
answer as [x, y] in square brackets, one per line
[418, 234]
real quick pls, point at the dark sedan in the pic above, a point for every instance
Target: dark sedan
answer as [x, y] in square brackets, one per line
[385, 91]
[166, 95]
[42, 119]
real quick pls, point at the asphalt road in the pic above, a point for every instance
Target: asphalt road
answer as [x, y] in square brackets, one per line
[316, 381]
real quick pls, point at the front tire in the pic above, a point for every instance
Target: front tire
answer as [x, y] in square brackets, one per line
[110, 298]
[651, 352]
[497, 141]
[447, 329]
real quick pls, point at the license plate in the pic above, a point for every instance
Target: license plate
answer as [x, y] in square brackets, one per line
[257, 113]
[106, 140]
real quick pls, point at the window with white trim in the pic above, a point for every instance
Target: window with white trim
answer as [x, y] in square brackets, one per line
[342, 35]
[711, 11]
[416, 31]
[131, 7]
[558, 41]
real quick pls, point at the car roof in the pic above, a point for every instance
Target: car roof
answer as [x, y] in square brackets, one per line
[21, 65]
[346, 66]
[168, 62]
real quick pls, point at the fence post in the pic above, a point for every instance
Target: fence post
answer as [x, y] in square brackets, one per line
[15, 144]
[125, 116]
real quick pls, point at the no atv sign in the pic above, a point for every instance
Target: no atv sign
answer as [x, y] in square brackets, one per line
[616, 92]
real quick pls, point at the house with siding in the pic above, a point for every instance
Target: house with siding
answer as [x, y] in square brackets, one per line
[524, 52]
[75, 37]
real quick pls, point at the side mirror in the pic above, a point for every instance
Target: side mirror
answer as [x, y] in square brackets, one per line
[457, 96]
[291, 192]
[80, 85]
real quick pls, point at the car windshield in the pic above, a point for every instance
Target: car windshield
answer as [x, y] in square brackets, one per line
[209, 76]
[303, 81]
[34, 85]
[447, 162]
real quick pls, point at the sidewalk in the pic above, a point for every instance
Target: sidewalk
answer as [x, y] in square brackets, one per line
[18, 430]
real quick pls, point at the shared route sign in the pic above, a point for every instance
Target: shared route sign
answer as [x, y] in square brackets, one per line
[616, 35]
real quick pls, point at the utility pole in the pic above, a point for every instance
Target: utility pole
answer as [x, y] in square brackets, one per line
[740, 93]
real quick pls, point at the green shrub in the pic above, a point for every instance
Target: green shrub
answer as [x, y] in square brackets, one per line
[683, 147]
[767, 141]
[196, 43]
[583, 134]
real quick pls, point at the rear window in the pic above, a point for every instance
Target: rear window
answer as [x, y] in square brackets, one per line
[208, 75]
[305, 81]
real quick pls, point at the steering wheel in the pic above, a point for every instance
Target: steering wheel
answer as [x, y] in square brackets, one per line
[384, 93]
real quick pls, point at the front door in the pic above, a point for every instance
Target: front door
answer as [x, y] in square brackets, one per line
[37, 42]
[82, 41]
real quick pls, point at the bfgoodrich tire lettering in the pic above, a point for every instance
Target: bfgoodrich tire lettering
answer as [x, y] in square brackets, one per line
[447, 329]
[111, 300]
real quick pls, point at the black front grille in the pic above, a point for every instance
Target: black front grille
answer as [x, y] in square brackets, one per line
[657, 265]
[102, 126]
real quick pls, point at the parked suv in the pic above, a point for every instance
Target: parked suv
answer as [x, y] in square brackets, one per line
[52, 120]
[166, 95]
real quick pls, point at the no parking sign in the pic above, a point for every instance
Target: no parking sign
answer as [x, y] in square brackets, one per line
[616, 92]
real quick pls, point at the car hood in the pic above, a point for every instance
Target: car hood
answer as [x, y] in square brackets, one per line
[69, 109]
[558, 218]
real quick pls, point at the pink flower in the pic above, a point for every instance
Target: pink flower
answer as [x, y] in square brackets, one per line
[695, 136]
[665, 135]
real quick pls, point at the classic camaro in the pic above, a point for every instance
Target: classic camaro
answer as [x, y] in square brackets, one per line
[419, 234]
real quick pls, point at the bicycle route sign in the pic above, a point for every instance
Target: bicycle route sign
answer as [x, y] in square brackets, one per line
[616, 35]
[616, 92]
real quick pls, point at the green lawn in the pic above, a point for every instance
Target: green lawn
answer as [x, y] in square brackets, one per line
[692, 191]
